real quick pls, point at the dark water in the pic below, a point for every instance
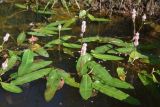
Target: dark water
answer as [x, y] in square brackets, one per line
[68, 96]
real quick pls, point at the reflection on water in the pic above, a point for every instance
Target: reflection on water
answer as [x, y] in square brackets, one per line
[13, 22]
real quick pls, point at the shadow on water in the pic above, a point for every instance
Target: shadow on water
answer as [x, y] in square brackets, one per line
[67, 96]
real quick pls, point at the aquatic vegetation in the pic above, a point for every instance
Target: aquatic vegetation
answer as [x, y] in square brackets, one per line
[31, 58]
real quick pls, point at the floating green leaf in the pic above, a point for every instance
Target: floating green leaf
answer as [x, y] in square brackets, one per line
[71, 45]
[11, 88]
[82, 60]
[51, 85]
[92, 18]
[103, 49]
[105, 57]
[86, 87]
[26, 63]
[103, 75]
[31, 76]
[115, 93]
[40, 64]
[67, 78]
[21, 38]
[41, 51]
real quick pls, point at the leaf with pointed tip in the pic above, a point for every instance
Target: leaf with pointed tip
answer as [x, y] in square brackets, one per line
[31, 76]
[103, 75]
[26, 63]
[106, 57]
[103, 49]
[115, 93]
[67, 78]
[41, 51]
[51, 85]
[11, 88]
[82, 60]
[72, 45]
[85, 88]
[21, 38]
[38, 65]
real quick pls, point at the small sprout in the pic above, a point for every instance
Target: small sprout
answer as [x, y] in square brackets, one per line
[6, 37]
[84, 49]
[5, 64]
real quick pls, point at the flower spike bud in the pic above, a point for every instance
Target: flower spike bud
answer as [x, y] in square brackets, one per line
[6, 37]
[5, 64]
[136, 39]
[144, 17]
[84, 49]
[83, 26]
[134, 12]
[59, 27]
[33, 39]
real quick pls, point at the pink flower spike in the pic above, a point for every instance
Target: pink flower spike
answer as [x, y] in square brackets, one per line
[5, 64]
[83, 26]
[134, 13]
[136, 39]
[33, 39]
[84, 49]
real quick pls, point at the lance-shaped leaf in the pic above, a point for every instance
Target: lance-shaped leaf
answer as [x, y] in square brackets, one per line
[41, 51]
[106, 57]
[40, 64]
[115, 93]
[71, 45]
[82, 60]
[26, 63]
[31, 76]
[52, 85]
[67, 78]
[102, 49]
[86, 87]
[21, 38]
[11, 88]
[92, 18]
[103, 75]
